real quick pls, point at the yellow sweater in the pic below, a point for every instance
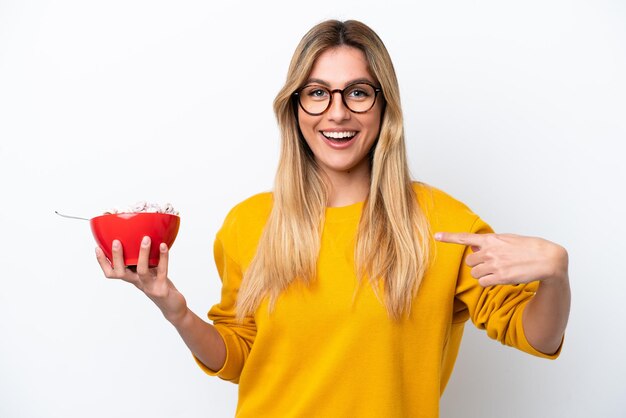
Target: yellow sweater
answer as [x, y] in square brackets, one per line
[321, 354]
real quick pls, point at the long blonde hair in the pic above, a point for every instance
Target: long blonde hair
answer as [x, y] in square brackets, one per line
[393, 239]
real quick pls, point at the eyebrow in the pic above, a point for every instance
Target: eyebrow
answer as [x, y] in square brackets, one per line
[326, 84]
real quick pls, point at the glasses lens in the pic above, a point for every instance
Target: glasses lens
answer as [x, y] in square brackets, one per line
[359, 97]
[314, 99]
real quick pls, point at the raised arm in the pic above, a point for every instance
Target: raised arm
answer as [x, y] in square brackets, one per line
[500, 259]
[201, 337]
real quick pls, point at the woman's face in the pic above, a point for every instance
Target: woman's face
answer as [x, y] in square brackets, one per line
[340, 139]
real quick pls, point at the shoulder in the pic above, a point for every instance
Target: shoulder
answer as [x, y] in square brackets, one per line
[243, 226]
[432, 199]
[253, 205]
[254, 209]
[444, 211]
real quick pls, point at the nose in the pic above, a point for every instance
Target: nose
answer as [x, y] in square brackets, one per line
[337, 110]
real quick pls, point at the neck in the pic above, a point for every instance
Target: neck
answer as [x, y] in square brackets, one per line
[347, 188]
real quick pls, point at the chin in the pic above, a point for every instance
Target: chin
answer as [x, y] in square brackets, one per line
[345, 168]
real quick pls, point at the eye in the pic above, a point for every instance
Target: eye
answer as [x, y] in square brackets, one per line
[359, 92]
[316, 92]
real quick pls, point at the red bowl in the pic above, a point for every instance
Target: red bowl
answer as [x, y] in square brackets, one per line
[130, 228]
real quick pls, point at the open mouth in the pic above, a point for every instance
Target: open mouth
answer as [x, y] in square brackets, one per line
[339, 137]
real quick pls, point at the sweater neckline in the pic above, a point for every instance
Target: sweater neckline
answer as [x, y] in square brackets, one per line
[340, 213]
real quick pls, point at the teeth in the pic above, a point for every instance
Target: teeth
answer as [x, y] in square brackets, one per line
[338, 135]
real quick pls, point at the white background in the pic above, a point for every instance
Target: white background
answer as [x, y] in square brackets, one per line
[516, 108]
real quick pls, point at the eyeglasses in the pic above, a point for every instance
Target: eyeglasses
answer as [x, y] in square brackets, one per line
[358, 98]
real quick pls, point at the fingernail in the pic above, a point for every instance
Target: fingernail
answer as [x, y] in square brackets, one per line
[98, 251]
[145, 241]
[438, 235]
[163, 247]
[116, 244]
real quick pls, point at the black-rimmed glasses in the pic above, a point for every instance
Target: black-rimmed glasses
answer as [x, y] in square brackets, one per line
[358, 98]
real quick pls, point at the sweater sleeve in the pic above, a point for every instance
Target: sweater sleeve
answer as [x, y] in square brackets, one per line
[496, 309]
[238, 336]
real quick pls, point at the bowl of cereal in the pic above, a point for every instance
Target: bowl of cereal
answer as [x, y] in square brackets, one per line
[130, 225]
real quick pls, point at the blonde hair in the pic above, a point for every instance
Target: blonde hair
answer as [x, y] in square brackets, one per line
[393, 238]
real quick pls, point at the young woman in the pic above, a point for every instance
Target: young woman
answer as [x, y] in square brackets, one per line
[345, 291]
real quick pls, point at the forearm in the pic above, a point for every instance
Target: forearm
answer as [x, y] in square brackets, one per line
[201, 338]
[545, 317]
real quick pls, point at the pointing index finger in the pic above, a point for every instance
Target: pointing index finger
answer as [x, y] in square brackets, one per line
[462, 238]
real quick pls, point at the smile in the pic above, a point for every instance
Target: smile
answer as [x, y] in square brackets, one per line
[345, 135]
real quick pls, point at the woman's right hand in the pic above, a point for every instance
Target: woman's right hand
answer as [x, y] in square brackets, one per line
[204, 341]
[153, 281]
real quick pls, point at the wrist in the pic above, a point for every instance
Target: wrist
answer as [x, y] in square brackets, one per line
[175, 309]
[177, 318]
[558, 271]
